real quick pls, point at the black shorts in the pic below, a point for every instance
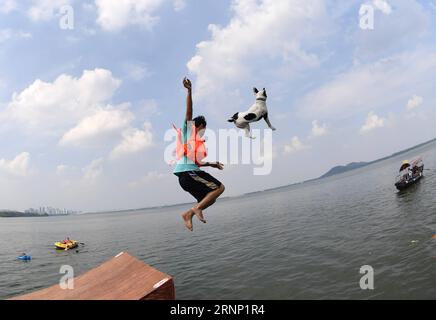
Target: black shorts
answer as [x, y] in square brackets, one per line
[198, 183]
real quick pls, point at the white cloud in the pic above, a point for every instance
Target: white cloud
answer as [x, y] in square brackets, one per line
[101, 123]
[179, 5]
[414, 102]
[53, 107]
[319, 130]
[373, 121]
[137, 72]
[93, 171]
[393, 31]
[150, 177]
[267, 32]
[89, 7]
[383, 84]
[44, 10]
[134, 141]
[77, 112]
[383, 6]
[61, 169]
[116, 15]
[294, 146]
[149, 108]
[7, 6]
[19, 166]
[7, 34]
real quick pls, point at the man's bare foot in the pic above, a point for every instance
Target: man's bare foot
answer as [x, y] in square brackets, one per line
[187, 218]
[199, 214]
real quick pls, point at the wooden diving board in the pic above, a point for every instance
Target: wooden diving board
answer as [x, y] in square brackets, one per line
[122, 278]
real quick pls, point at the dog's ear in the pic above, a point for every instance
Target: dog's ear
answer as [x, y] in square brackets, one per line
[255, 91]
[264, 91]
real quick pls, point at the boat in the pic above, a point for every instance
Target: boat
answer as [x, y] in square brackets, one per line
[66, 246]
[410, 173]
[24, 258]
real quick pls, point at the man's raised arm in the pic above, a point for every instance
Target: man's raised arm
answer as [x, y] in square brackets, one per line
[188, 85]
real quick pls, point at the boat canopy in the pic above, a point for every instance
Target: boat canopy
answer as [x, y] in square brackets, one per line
[414, 163]
[417, 162]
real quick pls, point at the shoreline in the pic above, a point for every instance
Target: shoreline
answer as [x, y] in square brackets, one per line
[16, 214]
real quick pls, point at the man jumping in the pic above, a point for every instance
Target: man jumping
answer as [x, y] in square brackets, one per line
[201, 185]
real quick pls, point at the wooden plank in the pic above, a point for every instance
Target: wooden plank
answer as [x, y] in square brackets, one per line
[122, 278]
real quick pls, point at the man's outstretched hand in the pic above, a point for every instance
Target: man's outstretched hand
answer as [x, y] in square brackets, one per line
[217, 165]
[187, 83]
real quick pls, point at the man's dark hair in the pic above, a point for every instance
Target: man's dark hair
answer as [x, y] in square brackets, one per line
[200, 120]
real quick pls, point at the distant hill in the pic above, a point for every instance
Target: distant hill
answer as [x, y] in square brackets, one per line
[357, 165]
[342, 169]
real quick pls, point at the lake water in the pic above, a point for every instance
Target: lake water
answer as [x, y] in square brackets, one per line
[300, 242]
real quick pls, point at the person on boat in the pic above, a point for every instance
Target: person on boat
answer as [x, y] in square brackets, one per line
[405, 165]
[66, 241]
[201, 185]
[406, 171]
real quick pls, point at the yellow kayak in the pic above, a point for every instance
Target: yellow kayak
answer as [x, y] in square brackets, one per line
[66, 246]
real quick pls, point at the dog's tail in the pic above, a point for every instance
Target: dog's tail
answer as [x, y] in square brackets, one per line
[234, 118]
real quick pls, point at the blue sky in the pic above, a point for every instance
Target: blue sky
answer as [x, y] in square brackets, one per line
[83, 112]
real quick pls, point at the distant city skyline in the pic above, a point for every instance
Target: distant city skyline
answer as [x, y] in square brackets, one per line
[50, 211]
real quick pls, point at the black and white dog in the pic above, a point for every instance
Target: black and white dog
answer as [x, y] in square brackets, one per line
[256, 112]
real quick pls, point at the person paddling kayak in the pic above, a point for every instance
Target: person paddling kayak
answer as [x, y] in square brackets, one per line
[191, 150]
[67, 241]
